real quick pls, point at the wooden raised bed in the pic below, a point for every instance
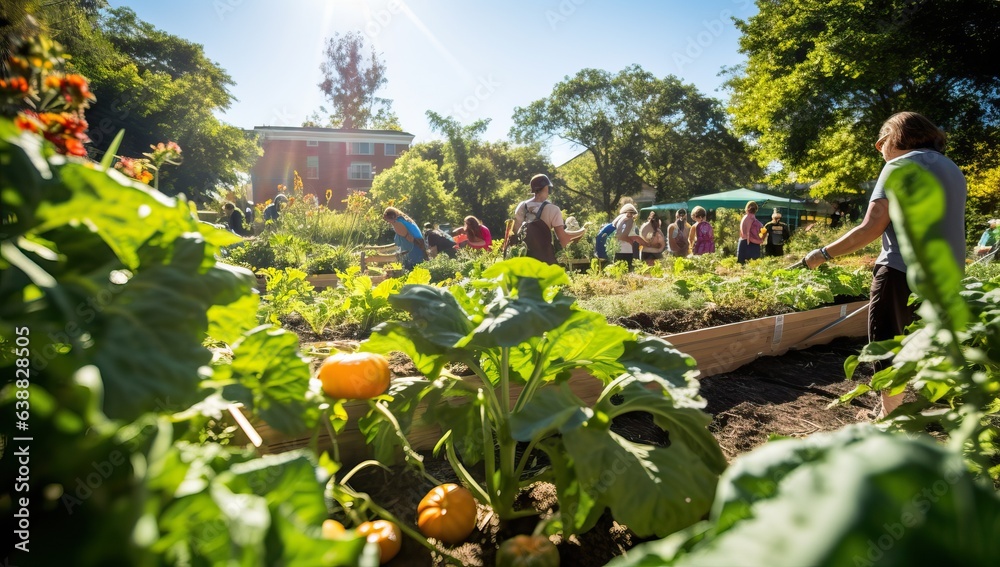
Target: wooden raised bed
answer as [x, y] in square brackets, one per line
[716, 349]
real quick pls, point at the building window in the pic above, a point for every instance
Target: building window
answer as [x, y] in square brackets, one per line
[392, 149]
[360, 171]
[312, 143]
[361, 149]
[312, 167]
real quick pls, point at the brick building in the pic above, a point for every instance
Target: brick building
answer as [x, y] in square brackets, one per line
[326, 158]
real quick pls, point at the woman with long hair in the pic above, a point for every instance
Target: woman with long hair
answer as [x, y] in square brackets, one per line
[407, 238]
[478, 235]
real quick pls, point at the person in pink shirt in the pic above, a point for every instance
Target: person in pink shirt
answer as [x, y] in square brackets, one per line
[702, 236]
[748, 248]
[478, 235]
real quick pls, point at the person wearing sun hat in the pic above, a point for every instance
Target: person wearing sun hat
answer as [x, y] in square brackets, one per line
[627, 233]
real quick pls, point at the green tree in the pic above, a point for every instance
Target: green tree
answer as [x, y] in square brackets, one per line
[822, 76]
[468, 174]
[157, 87]
[639, 129]
[414, 182]
[351, 79]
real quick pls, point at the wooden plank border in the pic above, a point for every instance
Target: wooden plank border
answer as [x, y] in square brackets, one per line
[716, 349]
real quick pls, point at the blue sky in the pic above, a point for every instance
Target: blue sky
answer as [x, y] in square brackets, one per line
[469, 60]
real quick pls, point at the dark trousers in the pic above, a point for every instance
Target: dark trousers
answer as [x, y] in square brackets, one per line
[625, 257]
[888, 312]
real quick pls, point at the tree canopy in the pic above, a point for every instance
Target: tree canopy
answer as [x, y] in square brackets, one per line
[158, 88]
[640, 129]
[413, 184]
[352, 78]
[822, 76]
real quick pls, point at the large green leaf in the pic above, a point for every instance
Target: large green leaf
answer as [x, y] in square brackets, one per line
[853, 497]
[272, 379]
[917, 210]
[652, 490]
[548, 412]
[434, 313]
[587, 340]
[652, 359]
[682, 422]
[510, 272]
[513, 320]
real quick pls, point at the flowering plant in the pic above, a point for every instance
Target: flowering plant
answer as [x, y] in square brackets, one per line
[43, 99]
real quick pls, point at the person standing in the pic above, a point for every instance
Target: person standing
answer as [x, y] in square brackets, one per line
[627, 234]
[438, 242]
[702, 235]
[677, 235]
[748, 247]
[656, 242]
[407, 238]
[776, 233]
[906, 137]
[539, 211]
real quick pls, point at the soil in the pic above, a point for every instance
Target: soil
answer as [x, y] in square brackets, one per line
[773, 396]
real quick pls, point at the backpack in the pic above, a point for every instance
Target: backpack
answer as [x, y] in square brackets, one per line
[602, 240]
[537, 236]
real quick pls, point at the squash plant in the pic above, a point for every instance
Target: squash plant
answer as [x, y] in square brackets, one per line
[515, 328]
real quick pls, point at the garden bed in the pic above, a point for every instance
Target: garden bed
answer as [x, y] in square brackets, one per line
[764, 398]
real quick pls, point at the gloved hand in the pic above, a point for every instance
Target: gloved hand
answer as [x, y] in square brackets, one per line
[814, 258]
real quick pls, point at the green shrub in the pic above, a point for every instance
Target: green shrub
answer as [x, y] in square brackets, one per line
[328, 259]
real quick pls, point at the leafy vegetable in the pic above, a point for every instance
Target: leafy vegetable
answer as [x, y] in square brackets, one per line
[517, 327]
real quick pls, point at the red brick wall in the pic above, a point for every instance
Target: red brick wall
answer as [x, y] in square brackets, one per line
[282, 157]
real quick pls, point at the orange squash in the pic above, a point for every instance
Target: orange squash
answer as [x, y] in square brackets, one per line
[354, 376]
[528, 551]
[332, 529]
[447, 513]
[386, 534]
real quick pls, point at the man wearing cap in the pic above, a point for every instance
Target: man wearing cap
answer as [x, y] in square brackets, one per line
[539, 208]
[776, 233]
[438, 241]
[988, 239]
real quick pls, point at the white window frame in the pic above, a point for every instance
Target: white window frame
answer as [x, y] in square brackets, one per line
[312, 171]
[395, 149]
[361, 175]
[312, 143]
[354, 149]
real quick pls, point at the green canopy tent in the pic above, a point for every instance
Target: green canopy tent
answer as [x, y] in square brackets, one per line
[663, 207]
[735, 199]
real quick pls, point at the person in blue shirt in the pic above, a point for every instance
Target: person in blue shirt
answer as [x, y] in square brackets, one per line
[408, 238]
[988, 239]
[601, 245]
